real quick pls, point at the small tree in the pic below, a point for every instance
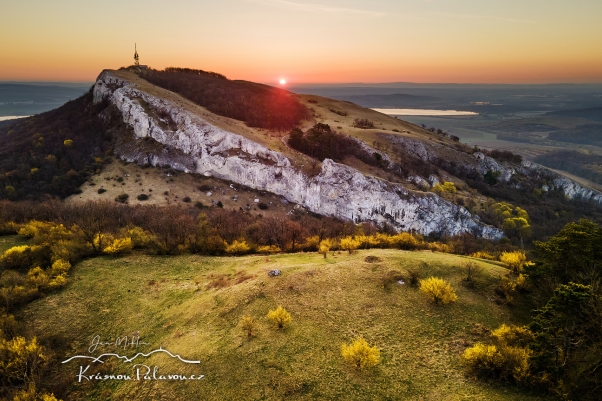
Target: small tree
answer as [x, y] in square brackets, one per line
[349, 244]
[280, 317]
[472, 269]
[438, 290]
[324, 247]
[360, 354]
[249, 325]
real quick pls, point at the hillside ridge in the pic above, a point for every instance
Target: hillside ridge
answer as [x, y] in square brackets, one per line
[193, 144]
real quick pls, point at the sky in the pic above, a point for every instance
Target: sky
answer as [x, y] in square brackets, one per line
[316, 41]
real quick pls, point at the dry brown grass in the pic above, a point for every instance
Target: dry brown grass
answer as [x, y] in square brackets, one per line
[120, 177]
[226, 280]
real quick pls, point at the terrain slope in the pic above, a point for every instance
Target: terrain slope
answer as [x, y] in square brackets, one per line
[192, 306]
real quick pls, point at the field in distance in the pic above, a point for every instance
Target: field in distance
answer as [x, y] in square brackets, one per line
[192, 306]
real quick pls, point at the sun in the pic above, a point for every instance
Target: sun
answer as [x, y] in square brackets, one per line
[282, 81]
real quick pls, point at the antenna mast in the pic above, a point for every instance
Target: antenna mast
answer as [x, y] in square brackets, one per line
[136, 58]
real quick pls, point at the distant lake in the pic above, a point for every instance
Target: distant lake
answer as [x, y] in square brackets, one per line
[27, 98]
[425, 112]
[4, 118]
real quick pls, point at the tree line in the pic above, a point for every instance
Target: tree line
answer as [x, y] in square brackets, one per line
[257, 105]
[560, 350]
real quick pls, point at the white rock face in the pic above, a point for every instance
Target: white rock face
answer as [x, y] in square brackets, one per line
[433, 180]
[476, 162]
[570, 188]
[194, 145]
[486, 163]
[415, 147]
[418, 180]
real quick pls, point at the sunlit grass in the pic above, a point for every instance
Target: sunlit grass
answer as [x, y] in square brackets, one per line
[169, 302]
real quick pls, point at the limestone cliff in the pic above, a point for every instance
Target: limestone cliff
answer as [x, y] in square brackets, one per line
[570, 188]
[190, 143]
[479, 162]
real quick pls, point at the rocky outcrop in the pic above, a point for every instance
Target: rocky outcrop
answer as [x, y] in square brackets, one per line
[418, 180]
[486, 164]
[573, 190]
[430, 152]
[570, 188]
[415, 147]
[189, 143]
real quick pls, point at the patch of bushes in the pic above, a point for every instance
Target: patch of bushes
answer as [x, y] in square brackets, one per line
[339, 112]
[267, 249]
[321, 142]
[122, 198]
[142, 197]
[119, 246]
[447, 186]
[506, 357]
[363, 123]
[503, 155]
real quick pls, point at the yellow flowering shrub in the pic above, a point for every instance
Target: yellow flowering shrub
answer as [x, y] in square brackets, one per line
[360, 354]
[438, 290]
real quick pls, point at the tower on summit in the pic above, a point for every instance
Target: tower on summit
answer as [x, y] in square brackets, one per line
[136, 58]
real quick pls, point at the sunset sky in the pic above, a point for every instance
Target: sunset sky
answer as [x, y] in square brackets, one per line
[317, 41]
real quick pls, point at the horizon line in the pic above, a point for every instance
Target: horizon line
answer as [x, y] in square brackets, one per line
[296, 84]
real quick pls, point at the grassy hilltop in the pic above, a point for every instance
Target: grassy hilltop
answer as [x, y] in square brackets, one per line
[192, 306]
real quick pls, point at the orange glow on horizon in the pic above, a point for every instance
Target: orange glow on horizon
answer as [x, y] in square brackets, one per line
[387, 41]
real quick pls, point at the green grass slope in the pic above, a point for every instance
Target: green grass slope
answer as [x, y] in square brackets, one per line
[8, 241]
[192, 306]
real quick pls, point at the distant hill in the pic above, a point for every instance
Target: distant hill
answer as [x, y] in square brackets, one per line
[392, 101]
[594, 113]
[587, 134]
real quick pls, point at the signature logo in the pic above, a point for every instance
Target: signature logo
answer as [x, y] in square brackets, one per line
[140, 370]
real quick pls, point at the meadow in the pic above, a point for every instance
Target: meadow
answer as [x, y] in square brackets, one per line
[192, 306]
